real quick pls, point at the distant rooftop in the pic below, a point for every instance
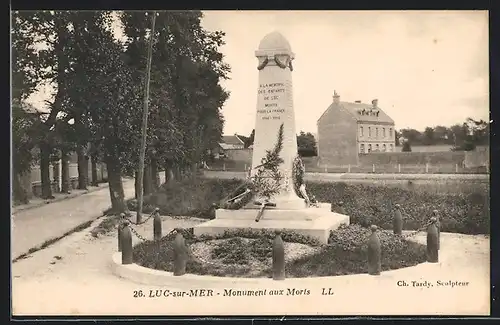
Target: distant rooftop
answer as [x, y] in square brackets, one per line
[232, 140]
[362, 112]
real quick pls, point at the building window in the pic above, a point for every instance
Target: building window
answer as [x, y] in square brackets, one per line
[360, 131]
[390, 147]
[362, 148]
[377, 147]
[384, 148]
[369, 132]
[369, 148]
[383, 132]
[390, 133]
[376, 133]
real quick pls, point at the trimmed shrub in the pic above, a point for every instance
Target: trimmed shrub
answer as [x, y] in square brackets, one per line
[366, 205]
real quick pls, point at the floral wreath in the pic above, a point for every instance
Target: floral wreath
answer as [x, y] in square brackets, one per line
[298, 172]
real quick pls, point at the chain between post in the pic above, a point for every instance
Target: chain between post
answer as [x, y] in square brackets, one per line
[424, 227]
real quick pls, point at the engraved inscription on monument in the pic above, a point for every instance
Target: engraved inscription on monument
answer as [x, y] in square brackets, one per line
[269, 98]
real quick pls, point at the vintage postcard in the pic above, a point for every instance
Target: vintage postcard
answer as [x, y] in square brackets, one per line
[279, 163]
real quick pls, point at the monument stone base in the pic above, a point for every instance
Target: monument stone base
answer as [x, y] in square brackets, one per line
[311, 221]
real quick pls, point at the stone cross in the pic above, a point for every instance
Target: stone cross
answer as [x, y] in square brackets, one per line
[275, 107]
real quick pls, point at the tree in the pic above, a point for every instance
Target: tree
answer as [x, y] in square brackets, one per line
[406, 147]
[49, 30]
[24, 117]
[428, 136]
[440, 134]
[186, 96]
[306, 144]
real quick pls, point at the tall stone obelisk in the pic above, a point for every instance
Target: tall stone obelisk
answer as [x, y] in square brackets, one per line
[275, 107]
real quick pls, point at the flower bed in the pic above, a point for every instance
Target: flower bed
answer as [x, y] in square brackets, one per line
[249, 254]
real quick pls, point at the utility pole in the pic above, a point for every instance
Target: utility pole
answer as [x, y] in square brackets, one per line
[142, 155]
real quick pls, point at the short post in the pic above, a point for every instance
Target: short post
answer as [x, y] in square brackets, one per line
[373, 168]
[487, 168]
[120, 228]
[340, 207]
[349, 168]
[432, 242]
[438, 226]
[245, 167]
[398, 221]
[278, 258]
[180, 255]
[126, 244]
[157, 225]
[426, 168]
[326, 169]
[399, 168]
[374, 253]
[456, 168]
[223, 166]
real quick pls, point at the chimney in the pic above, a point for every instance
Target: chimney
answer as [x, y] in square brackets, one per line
[336, 97]
[375, 103]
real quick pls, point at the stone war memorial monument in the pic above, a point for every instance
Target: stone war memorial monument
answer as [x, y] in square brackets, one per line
[275, 197]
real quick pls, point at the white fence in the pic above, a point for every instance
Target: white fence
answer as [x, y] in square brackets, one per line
[73, 172]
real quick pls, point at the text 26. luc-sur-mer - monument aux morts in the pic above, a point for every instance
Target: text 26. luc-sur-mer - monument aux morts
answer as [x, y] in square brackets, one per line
[278, 199]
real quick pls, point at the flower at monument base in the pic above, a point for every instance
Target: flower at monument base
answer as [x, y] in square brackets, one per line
[298, 172]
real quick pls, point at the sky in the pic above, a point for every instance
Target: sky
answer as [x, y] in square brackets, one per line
[426, 68]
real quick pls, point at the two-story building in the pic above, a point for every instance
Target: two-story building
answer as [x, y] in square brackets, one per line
[346, 130]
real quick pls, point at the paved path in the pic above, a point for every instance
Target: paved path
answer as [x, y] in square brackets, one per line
[33, 227]
[73, 277]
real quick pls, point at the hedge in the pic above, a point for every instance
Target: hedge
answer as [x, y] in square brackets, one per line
[366, 205]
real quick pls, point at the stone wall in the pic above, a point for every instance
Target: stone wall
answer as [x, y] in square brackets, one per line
[412, 158]
[244, 155]
[477, 158]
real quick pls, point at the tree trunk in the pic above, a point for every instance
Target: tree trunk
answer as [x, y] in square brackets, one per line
[19, 193]
[194, 169]
[177, 172]
[57, 176]
[147, 180]
[83, 168]
[65, 181]
[45, 171]
[136, 184]
[155, 176]
[116, 192]
[93, 160]
[169, 172]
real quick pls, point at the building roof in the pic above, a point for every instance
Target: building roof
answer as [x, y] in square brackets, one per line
[232, 140]
[362, 112]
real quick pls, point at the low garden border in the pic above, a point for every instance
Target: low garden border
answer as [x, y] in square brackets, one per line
[123, 266]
